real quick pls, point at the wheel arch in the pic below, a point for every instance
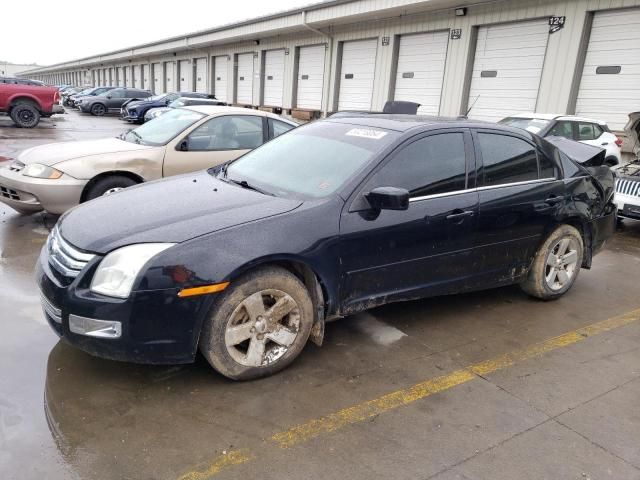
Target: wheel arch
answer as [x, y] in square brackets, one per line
[111, 173]
[24, 98]
[321, 295]
[584, 227]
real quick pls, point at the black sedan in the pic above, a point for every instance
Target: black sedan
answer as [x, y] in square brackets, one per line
[246, 262]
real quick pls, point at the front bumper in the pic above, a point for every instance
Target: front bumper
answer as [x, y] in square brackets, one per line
[27, 194]
[130, 116]
[153, 326]
[628, 206]
[57, 108]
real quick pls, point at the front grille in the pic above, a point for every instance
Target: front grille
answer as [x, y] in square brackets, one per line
[66, 259]
[49, 309]
[628, 187]
[9, 193]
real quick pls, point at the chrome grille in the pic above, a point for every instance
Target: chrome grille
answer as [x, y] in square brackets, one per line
[628, 187]
[9, 193]
[54, 312]
[66, 259]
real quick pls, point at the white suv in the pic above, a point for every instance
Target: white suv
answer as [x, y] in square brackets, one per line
[584, 130]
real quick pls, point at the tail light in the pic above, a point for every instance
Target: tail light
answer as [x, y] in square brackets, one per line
[56, 97]
[618, 142]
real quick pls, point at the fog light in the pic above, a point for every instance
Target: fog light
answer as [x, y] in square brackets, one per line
[95, 328]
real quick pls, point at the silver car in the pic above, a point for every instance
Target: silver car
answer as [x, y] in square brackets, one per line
[58, 176]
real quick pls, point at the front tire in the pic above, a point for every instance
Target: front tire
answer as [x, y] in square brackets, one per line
[556, 264]
[25, 115]
[259, 325]
[108, 185]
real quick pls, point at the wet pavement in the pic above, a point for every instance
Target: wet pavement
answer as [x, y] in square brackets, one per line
[567, 413]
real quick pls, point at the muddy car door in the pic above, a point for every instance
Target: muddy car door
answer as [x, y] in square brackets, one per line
[425, 249]
[219, 140]
[521, 192]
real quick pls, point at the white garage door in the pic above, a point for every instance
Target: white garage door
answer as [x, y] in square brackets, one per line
[112, 78]
[221, 67]
[273, 78]
[186, 74]
[170, 76]
[158, 84]
[507, 69]
[137, 75]
[310, 77]
[610, 84]
[121, 77]
[145, 77]
[244, 87]
[420, 73]
[357, 75]
[201, 75]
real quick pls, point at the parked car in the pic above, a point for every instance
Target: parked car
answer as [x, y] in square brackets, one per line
[75, 98]
[628, 176]
[180, 102]
[21, 81]
[584, 130]
[135, 110]
[66, 95]
[26, 104]
[110, 101]
[58, 176]
[248, 260]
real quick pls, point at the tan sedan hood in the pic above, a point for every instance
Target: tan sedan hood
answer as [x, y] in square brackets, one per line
[54, 153]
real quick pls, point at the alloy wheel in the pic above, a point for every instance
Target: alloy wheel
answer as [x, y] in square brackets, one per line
[112, 190]
[562, 264]
[262, 328]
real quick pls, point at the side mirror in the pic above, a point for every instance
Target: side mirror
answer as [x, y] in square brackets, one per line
[183, 146]
[388, 198]
[109, 97]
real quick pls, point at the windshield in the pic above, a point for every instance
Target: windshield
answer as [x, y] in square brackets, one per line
[164, 128]
[533, 125]
[105, 93]
[311, 161]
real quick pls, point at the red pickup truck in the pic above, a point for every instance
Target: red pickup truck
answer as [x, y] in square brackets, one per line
[26, 104]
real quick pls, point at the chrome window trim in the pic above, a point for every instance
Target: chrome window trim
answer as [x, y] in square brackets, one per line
[478, 189]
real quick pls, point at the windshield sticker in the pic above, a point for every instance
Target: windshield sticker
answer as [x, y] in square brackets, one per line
[366, 133]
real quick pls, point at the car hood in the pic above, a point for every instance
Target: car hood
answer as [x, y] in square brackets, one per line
[59, 152]
[145, 103]
[173, 210]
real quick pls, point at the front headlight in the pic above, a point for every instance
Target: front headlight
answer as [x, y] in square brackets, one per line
[118, 270]
[37, 170]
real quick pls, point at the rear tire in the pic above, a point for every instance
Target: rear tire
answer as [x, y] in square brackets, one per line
[25, 115]
[108, 185]
[244, 337]
[556, 265]
[98, 110]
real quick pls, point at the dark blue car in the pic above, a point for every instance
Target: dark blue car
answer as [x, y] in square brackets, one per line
[134, 110]
[246, 262]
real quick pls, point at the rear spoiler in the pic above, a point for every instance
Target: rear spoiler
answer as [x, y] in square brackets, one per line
[585, 155]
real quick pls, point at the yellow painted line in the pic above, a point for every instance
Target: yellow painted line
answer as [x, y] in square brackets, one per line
[358, 413]
[234, 457]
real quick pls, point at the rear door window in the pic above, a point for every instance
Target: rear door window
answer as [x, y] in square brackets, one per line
[507, 159]
[588, 131]
[277, 128]
[562, 129]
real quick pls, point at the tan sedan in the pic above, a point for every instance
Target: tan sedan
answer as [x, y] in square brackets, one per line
[58, 176]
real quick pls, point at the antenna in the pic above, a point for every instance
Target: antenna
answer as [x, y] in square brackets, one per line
[471, 107]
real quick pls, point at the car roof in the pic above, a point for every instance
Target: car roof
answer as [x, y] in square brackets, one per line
[403, 123]
[220, 109]
[555, 116]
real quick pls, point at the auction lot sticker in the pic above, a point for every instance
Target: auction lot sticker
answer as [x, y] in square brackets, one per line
[366, 133]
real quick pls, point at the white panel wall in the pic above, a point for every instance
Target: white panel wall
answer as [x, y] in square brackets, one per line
[170, 77]
[201, 75]
[311, 65]
[220, 78]
[357, 74]
[244, 79]
[185, 69]
[158, 78]
[273, 78]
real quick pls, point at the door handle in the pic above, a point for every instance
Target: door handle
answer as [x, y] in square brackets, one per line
[459, 215]
[605, 144]
[554, 200]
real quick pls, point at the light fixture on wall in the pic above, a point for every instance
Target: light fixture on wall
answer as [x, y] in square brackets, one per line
[461, 12]
[257, 42]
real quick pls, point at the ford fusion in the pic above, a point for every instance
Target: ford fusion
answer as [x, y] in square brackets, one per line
[245, 262]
